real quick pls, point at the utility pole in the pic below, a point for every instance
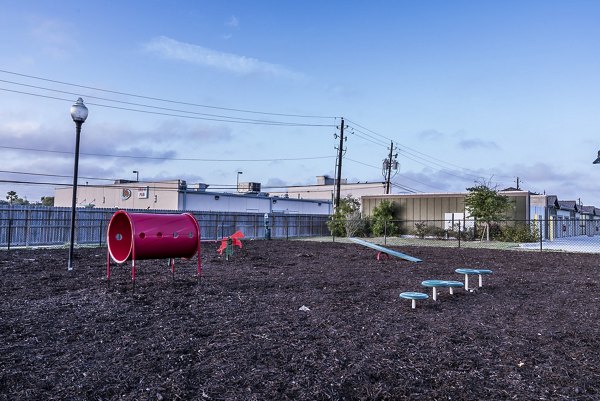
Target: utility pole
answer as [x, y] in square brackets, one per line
[389, 169]
[390, 163]
[518, 183]
[338, 179]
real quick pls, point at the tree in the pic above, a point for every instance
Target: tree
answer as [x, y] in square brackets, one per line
[381, 221]
[486, 205]
[345, 213]
[11, 196]
[47, 200]
[14, 199]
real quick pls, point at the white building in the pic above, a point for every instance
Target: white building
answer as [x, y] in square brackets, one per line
[325, 190]
[177, 195]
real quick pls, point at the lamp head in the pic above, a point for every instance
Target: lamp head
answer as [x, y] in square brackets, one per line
[597, 161]
[79, 112]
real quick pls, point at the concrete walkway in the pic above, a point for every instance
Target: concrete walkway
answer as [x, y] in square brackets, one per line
[581, 243]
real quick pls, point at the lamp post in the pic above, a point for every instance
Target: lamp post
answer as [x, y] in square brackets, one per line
[137, 175]
[237, 183]
[79, 113]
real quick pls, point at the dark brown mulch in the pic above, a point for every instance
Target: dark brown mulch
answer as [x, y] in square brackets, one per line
[531, 333]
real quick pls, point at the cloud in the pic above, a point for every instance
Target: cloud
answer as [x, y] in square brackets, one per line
[172, 49]
[340, 90]
[167, 140]
[430, 135]
[233, 22]
[54, 37]
[477, 143]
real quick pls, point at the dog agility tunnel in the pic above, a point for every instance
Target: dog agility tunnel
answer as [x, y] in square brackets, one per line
[136, 236]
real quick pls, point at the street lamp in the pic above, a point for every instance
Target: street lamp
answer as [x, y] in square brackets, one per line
[137, 175]
[237, 184]
[597, 161]
[79, 113]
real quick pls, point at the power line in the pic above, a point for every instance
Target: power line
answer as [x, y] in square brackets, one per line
[87, 96]
[364, 164]
[428, 158]
[54, 175]
[164, 100]
[370, 138]
[166, 158]
[409, 189]
[274, 123]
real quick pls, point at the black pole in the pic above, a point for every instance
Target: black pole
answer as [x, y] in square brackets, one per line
[339, 166]
[541, 238]
[385, 232]
[74, 200]
[459, 233]
[9, 233]
[389, 170]
[100, 240]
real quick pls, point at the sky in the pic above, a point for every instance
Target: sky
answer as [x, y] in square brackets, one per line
[468, 92]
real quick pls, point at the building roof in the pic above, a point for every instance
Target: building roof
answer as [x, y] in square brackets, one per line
[567, 205]
[552, 200]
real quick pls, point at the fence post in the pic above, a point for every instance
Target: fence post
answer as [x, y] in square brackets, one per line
[540, 235]
[9, 232]
[385, 232]
[459, 234]
[26, 232]
[287, 228]
[100, 232]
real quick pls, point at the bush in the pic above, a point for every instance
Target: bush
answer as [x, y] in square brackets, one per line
[356, 226]
[345, 217]
[381, 223]
[465, 234]
[520, 232]
[422, 230]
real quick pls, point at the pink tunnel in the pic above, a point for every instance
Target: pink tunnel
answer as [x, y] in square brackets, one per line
[135, 236]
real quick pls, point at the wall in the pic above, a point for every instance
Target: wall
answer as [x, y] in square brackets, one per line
[166, 195]
[326, 192]
[210, 201]
[133, 195]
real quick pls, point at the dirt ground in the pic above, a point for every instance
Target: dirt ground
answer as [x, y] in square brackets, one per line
[240, 333]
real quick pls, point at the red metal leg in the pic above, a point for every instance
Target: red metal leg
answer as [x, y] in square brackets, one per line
[107, 265]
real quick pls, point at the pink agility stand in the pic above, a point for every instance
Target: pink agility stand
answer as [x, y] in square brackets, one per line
[139, 236]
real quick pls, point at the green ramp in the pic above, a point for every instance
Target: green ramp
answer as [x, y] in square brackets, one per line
[385, 250]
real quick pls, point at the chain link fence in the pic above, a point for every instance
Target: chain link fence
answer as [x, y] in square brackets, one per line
[553, 234]
[32, 226]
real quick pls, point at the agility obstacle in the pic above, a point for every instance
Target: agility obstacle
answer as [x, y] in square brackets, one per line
[136, 236]
[382, 250]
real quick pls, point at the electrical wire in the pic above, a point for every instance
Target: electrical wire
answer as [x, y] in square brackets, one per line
[87, 96]
[166, 158]
[427, 158]
[274, 123]
[164, 100]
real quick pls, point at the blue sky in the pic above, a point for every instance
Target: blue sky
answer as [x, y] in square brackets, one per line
[468, 91]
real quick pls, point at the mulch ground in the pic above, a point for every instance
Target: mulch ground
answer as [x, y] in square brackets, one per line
[532, 332]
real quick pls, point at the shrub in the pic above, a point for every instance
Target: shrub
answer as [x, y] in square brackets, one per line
[356, 226]
[381, 222]
[520, 232]
[420, 229]
[337, 222]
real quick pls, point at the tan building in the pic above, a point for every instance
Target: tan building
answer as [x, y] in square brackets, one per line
[163, 195]
[178, 195]
[325, 190]
[442, 209]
